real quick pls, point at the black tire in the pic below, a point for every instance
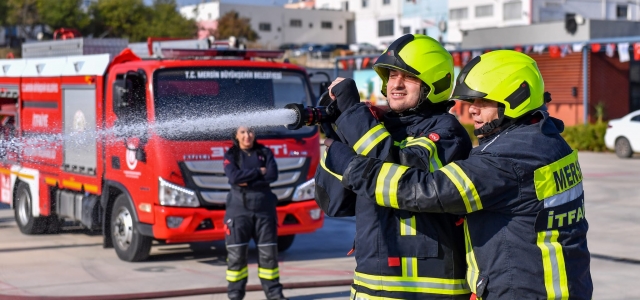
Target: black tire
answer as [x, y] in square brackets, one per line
[130, 245]
[623, 148]
[285, 242]
[27, 223]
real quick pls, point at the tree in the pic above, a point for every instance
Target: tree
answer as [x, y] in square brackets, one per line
[166, 21]
[134, 20]
[24, 15]
[3, 12]
[63, 13]
[119, 18]
[232, 25]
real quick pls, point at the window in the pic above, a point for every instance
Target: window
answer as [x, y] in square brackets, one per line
[295, 23]
[621, 11]
[385, 28]
[512, 10]
[340, 27]
[310, 25]
[365, 3]
[421, 31]
[386, 2]
[636, 119]
[484, 11]
[459, 13]
[264, 26]
[209, 16]
[326, 25]
[406, 30]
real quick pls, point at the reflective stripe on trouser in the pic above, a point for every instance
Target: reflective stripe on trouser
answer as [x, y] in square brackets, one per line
[370, 139]
[465, 187]
[387, 184]
[555, 275]
[434, 160]
[269, 274]
[426, 285]
[362, 296]
[472, 266]
[234, 276]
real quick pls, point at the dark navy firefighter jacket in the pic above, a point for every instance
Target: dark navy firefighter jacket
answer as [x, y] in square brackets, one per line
[402, 254]
[522, 190]
[244, 167]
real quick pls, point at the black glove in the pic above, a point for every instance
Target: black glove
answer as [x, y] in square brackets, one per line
[339, 157]
[346, 93]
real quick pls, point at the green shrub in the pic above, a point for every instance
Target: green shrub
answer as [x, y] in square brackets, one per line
[588, 137]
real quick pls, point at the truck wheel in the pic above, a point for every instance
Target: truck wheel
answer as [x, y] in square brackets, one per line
[285, 242]
[130, 245]
[27, 223]
[623, 148]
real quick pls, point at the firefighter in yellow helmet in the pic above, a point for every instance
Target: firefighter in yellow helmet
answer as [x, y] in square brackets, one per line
[521, 188]
[402, 254]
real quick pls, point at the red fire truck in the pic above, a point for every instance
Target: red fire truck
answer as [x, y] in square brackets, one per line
[143, 185]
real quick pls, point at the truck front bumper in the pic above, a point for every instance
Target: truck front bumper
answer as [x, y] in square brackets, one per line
[182, 225]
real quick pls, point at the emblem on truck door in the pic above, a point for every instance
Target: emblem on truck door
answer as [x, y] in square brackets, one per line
[132, 162]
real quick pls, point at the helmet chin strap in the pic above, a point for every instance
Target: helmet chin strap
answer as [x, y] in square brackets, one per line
[500, 122]
[423, 101]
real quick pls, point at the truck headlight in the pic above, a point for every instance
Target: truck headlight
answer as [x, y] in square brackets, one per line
[305, 191]
[175, 195]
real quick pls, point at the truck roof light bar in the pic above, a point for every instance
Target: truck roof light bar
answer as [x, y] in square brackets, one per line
[247, 54]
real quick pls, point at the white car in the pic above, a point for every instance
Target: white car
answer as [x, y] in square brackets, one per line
[623, 135]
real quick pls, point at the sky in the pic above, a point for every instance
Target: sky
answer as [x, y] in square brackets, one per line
[253, 2]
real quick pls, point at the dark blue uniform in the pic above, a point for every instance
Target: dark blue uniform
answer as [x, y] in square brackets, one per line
[522, 190]
[400, 254]
[251, 213]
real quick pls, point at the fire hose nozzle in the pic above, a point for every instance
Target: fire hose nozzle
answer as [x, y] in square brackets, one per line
[311, 116]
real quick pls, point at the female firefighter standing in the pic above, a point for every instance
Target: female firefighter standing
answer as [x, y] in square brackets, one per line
[251, 213]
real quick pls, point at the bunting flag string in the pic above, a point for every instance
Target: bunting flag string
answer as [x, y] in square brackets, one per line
[625, 51]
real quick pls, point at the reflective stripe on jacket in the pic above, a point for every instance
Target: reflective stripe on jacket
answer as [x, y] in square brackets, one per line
[402, 254]
[522, 190]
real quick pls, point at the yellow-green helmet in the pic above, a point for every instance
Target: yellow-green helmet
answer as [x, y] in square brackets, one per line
[504, 76]
[423, 57]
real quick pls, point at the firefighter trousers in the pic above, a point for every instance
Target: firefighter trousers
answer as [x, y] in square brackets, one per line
[263, 230]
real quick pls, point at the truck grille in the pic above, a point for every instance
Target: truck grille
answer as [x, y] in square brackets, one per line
[207, 178]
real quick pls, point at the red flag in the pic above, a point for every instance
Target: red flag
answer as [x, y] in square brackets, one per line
[350, 63]
[456, 59]
[365, 62]
[554, 52]
[344, 64]
[518, 48]
[636, 51]
[595, 48]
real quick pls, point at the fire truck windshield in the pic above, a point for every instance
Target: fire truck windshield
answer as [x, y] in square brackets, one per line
[200, 93]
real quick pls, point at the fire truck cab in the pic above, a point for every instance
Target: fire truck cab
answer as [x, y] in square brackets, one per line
[120, 144]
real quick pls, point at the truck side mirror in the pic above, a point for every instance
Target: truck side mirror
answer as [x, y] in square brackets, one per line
[323, 87]
[129, 96]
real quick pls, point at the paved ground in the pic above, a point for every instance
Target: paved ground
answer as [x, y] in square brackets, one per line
[74, 263]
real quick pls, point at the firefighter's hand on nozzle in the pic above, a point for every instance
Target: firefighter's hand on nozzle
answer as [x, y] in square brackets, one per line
[336, 81]
[345, 92]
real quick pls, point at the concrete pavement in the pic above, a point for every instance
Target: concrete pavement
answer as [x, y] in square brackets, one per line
[74, 263]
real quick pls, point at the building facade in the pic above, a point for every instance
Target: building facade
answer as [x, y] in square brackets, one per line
[277, 25]
[466, 15]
